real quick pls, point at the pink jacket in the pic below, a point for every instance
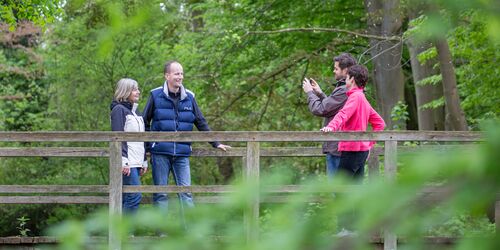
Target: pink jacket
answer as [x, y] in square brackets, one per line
[355, 116]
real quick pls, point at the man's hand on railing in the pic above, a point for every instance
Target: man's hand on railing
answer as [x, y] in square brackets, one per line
[223, 147]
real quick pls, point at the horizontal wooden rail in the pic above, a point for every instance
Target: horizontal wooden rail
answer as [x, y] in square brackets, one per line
[16, 240]
[51, 189]
[197, 152]
[43, 189]
[145, 200]
[54, 199]
[241, 136]
[203, 152]
[280, 194]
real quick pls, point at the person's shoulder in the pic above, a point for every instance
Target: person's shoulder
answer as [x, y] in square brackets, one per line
[119, 108]
[189, 92]
[339, 91]
[157, 89]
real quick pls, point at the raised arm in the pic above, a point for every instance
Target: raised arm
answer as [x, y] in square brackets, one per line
[328, 106]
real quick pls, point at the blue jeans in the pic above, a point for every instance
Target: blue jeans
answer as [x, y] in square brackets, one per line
[332, 165]
[179, 166]
[131, 201]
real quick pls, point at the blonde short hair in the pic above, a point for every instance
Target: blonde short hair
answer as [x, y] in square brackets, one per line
[124, 88]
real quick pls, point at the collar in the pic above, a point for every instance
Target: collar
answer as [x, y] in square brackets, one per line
[354, 89]
[339, 83]
[182, 91]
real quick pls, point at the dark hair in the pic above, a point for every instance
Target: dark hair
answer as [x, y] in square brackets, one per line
[345, 60]
[166, 69]
[360, 74]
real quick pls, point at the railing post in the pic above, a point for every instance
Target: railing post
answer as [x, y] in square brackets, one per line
[390, 170]
[251, 172]
[497, 217]
[115, 193]
[373, 166]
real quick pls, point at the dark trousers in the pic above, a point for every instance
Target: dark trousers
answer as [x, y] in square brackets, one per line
[352, 164]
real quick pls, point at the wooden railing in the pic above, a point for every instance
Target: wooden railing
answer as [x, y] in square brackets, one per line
[250, 155]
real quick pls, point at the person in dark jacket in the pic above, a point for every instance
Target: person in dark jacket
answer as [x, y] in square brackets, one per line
[124, 118]
[327, 106]
[172, 108]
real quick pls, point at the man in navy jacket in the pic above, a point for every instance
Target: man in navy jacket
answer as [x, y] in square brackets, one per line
[172, 108]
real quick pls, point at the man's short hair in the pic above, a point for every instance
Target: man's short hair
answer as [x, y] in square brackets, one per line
[360, 74]
[166, 69]
[345, 60]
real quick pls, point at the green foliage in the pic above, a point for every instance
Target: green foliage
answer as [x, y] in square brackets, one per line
[298, 224]
[431, 80]
[242, 80]
[475, 54]
[23, 231]
[464, 225]
[433, 104]
[22, 83]
[479, 79]
[399, 114]
[39, 12]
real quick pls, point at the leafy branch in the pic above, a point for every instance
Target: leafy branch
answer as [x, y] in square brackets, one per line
[355, 33]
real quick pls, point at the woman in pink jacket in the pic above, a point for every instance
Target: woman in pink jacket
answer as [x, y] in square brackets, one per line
[355, 116]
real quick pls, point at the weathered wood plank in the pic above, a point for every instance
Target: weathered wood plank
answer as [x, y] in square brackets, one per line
[8, 189]
[242, 136]
[390, 171]
[436, 191]
[197, 152]
[15, 240]
[427, 196]
[115, 178]
[225, 189]
[497, 217]
[252, 171]
[373, 166]
[206, 152]
[54, 151]
[390, 159]
[115, 193]
[53, 199]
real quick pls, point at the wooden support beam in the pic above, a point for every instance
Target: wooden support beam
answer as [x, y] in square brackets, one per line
[241, 136]
[115, 193]
[390, 172]
[251, 171]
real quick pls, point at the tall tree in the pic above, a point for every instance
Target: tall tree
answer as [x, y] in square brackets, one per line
[430, 117]
[384, 18]
[456, 116]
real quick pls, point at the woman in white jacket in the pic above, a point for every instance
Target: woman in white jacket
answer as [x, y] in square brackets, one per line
[124, 118]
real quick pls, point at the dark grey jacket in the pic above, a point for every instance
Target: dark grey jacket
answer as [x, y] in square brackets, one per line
[327, 107]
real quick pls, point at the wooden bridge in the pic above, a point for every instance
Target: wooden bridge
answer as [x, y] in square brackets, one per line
[250, 156]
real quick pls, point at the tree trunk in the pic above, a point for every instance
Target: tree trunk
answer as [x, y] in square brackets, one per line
[384, 19]
[455, 114]
[226, 168]
[428, 119]
[196, 16]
